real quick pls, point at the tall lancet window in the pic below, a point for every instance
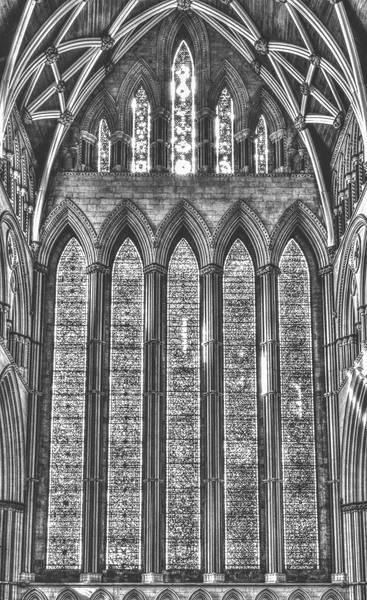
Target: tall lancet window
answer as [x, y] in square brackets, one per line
[261, 146]
[68, 400]
[240, 398]
[183, 89]
[183, 411]
[140, 142]
[225, 133]
[125, 413]
[297, 409]
[104, 147]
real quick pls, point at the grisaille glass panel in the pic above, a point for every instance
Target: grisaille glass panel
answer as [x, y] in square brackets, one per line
[240, 397]
[183, 411]
[125, 413]
[297, 406]
[225, 133]
[104, 147]
[68, 401]
[141, 115]
[261, 147]
[183, 112]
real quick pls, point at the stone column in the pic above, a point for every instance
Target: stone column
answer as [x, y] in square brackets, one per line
[213, 419]
[120, 152]
[205, 135]
[270, 395]
[244, 155]
[154, 418]
[93, 424]
[332, 411]
[4, 313]
[276, 139]
[35, 395]
[355, 527]
[88, 143]
[160, 159]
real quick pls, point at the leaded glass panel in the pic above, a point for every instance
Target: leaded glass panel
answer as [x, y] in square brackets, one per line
[297, 409]
[241, 459]
[125, 414]
[104, 147]
[183, 157]
[140, 144]
[261, 146]
[183, 411]
[68, 401]
[225, 133]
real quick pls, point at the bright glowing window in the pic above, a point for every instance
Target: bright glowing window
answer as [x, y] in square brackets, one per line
[261, 146]
[224, 136]
[183, 411]
[183, 90]
[240, 406]
[297, 409]
[104, 147]
[125, 413]
[140, 142]
[68, 400]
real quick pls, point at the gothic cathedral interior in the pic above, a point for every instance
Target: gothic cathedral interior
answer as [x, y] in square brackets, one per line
[183, 300]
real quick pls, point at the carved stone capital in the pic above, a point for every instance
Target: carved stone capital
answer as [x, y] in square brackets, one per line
[184, 4]
[315, 60]
[66, 118]
[268, 269]
[155, 268]
[212, 268]
[97, 268]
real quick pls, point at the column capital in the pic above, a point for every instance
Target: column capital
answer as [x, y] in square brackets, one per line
[98, 268]
[40, 268]
[160, 112]
[211, 268]
[205, 112]
[88, 137]
[268, 269]
[354, 507]
[155, 268]
[327, 270]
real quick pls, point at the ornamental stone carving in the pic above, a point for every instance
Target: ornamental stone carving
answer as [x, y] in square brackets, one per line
[339, 120]
[109, 67]
[66, 118]
[305, 89]
[356, 253]
[27, 117]
[11, 250]
[315, 60]
[262, 46]
[107, 43]
[256, 65]
[300, 123]
[52, 55]
[184, 4]
[61, 86]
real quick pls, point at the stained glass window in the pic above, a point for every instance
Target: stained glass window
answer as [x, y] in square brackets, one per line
[104, 147]
[183, 451]
[241, 464]
[225, 133]
[67, 429]
[183, 157]
[297, 409]
[125, 414]
[261, 147]
[140, 143]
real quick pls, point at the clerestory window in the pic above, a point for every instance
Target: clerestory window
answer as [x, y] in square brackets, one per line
[224, 135]
[183, 115]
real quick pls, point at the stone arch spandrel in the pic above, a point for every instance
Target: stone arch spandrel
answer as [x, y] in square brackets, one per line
[241, 218]
[299, 216]
[125, 216]
[183, 217]
[67, 214]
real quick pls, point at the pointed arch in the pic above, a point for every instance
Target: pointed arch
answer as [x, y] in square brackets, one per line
[264, 103]
[241, 218]
[200, 44]
[266, 595]
[167, 594]
[34, 595]
[102, 106]
[226, 76]
[331, 595]
[183, 216]
[101, 595]
[67, 215]
[134, 594]
[129, 218]
[299, 216]
[68, 594]
[139, 75]
[298, 595]
[232, 595]
[200, 594]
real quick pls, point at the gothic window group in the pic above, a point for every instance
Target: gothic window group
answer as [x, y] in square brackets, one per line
[184, 137]
[183, 428]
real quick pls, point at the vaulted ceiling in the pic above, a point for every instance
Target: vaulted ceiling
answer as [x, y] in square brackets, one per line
[311, 53]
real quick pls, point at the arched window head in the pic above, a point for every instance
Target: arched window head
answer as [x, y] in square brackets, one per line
[261, 146]
[104, 147]
[225, 133]
[183, 89]
[141, 132]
